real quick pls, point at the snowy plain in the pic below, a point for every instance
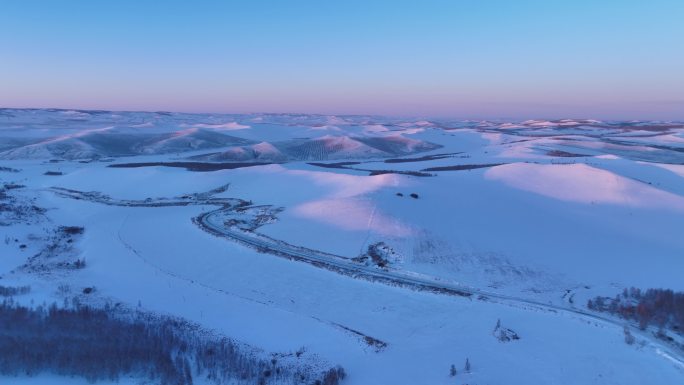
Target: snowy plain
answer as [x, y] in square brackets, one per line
[544, 212]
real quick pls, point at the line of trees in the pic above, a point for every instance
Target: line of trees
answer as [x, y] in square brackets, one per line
[660, 307]
[94, 344]
[8, 291]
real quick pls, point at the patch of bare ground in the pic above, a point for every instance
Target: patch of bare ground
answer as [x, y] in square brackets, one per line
[192, 166]
[461, 167]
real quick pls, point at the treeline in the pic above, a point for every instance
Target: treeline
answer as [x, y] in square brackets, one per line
[94, 344]
[660, 307]
[9, 291]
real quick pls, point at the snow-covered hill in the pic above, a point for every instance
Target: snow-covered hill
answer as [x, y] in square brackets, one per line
[81, 135]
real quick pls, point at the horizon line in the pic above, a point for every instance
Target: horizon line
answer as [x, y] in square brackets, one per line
[459, 118]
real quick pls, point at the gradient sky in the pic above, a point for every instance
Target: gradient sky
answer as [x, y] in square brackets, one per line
[615, 59]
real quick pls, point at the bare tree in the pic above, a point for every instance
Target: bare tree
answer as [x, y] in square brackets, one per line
[629, 338]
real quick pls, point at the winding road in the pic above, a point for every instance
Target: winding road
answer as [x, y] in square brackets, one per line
[214, 222]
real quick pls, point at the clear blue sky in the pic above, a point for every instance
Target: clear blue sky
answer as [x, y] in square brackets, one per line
[456, 58]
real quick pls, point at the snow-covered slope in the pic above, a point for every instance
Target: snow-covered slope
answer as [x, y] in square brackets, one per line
[58, 134]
